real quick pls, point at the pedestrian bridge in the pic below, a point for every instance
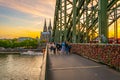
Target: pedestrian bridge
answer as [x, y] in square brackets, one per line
[81, 22]
[82, 66]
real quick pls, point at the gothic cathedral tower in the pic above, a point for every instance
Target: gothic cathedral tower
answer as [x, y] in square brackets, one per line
[45, 27]
[50, 27]
[46, 34]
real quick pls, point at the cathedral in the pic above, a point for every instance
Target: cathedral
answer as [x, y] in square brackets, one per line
[47, 31]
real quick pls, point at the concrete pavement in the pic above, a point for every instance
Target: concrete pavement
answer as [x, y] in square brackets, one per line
[74, 67]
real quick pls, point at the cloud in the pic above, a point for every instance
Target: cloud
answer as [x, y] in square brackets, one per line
[6, 32]
[44, 8]
[31, 25]
[16, 19]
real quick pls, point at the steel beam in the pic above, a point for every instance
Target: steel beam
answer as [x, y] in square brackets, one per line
[65, 13]
[76, 20]
[103, 20]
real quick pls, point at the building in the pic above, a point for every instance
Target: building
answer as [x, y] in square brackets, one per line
[20, 39]
[46, 34]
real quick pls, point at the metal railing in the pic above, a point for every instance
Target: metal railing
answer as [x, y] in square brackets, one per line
[108, 54]
[43, 72]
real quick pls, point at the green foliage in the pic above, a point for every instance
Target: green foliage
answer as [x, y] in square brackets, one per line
[43, 41]
[14, 43]
[5, 43]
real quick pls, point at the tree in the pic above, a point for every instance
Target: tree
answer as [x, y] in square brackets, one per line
[29, 43]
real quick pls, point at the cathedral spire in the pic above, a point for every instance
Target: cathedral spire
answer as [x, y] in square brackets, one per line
[49, 27]
[45, 27]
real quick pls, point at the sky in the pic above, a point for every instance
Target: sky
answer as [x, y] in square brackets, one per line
[111, 29]
[24, 18]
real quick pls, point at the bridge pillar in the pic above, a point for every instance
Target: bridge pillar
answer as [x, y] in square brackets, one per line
[65, 31]
[87, 22]
[115, 25]
[61, 21]
[74, 22]
[103, 20]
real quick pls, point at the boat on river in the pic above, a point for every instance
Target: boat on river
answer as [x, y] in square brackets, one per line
[31, 53]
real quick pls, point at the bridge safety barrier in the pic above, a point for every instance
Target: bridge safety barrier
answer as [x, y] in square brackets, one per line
[108, 54]
[43, 72]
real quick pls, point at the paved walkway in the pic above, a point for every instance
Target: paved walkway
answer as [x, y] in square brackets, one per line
[74, 67]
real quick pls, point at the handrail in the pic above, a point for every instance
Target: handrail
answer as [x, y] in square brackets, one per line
[43, 66]
[104, 53]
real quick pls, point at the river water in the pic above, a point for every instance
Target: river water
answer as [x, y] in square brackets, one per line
[20, 67]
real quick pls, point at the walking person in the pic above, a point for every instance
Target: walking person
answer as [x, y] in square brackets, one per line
[63, 48]
[50, 48]
[67, 48]
[58, 47]
[53, 47]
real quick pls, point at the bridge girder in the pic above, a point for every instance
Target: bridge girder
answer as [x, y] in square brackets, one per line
[77, 20]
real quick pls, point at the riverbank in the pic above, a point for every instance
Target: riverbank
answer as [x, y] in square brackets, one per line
[9, 52]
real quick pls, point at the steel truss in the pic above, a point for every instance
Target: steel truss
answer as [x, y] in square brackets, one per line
[81, 21]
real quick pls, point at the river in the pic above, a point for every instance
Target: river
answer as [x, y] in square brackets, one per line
[20, 67]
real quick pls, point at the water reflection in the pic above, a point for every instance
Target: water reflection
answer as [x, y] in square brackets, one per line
[19, 67]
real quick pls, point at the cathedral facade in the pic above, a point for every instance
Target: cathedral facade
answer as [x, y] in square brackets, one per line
[47, 31]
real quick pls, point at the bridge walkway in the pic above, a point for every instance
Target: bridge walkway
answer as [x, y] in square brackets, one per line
[75, 67]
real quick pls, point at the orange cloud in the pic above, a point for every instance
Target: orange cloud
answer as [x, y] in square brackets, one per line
[37, 9]
[16, 19]
[6, 32]
[34, 7]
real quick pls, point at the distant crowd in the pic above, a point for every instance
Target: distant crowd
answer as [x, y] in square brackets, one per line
[59, 48]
